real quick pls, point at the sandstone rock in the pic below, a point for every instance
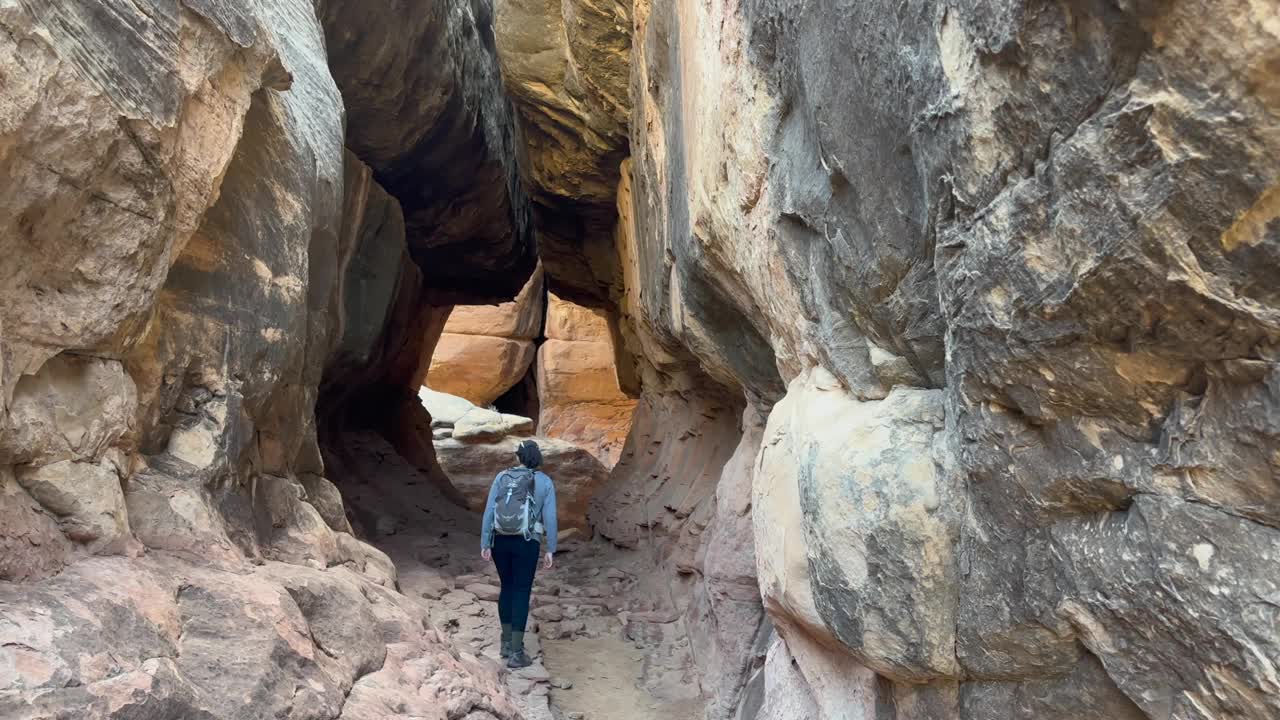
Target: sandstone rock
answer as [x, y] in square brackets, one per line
[1086, 693]
[565, 67]
[325, 497]
[726, 613]
[548, 613]
[170, 509]
[338, 617]
[446, 410]
[483, 591]
[669, 468]
[366, 559]
[432, 69]
[487, 426]
[32, 545]
[73, 408]
[478, 367]
[579, 390]
[87, 499]
[874, 477]
[782, 691]
[469, 423]
[119, 132]
[520, 319]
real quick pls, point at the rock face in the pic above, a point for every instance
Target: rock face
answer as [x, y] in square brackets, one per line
[486, 350]
[997, 275]
[425, 99]
[192, 260]
[953, 326]
[579, 397]
[565, 66]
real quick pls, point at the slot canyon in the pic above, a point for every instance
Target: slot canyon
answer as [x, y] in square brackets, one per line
[893, 359]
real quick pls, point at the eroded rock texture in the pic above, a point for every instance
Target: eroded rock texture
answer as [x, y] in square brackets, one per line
[565, 66]
[951, 329]
[192, 260]
[580, 398]
[486, 350]
[427, 111]
[997, 275]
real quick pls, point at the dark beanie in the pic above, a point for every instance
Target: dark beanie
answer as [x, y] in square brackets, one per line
[529, 454]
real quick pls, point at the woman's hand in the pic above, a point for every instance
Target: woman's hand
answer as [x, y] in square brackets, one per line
[487, 554]
[548, 563]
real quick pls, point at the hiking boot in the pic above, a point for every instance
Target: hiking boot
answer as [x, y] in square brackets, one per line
[505, 652]
[518, 660]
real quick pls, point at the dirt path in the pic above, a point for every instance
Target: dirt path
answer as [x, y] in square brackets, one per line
[603, 647]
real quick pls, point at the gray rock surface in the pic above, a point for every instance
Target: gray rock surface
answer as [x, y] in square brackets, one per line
[1055, 221]
[424, 97]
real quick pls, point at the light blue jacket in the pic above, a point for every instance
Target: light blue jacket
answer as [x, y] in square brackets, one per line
[544, 497]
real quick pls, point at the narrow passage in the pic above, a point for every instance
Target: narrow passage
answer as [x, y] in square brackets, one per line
[605, 642]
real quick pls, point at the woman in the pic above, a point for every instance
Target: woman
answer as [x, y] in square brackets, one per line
[522, 506]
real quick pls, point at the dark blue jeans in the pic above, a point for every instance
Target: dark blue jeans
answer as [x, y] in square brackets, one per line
[517, 563]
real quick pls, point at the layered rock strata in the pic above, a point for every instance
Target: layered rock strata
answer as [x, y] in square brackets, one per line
[191, 256]
[565, 66]
[486, 350]
[580, 399]
[996, 277]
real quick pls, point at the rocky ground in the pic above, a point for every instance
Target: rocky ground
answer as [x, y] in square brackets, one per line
[605, 639]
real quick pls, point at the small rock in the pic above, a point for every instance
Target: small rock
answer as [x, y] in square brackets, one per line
[535, 672]
[548, 613]
[561, 684]
[458, 598]
[484, 591]
[615, 574]
[435, 588]
[575, 716]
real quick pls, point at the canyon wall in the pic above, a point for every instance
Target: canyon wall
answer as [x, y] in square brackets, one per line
[200, 284]
[950, 327]
[998, 278]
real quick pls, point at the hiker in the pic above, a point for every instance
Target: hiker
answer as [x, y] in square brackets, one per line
[521, 507]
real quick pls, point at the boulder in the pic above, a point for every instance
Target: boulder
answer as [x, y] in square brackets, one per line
[73, 408]
[479, 368]
[519, 319]
[880, 520]
[32, 545]
[120, 126]
[86, 498]
[462, 421]
[565, 67]
[170, 509]
[423, 95]
[485, 426]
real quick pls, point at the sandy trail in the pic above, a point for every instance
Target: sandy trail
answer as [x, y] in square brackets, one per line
[604, 647]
